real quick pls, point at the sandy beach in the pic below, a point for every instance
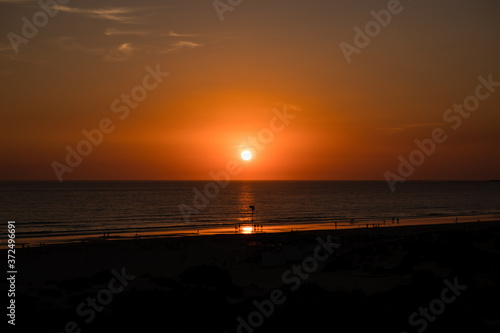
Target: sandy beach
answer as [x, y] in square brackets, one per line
[209, 281]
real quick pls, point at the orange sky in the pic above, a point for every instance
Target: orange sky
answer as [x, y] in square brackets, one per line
[226, 78]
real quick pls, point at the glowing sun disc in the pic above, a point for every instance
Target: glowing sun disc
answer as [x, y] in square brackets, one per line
[246, 155]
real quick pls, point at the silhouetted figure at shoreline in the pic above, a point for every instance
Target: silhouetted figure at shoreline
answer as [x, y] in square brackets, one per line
[252, 207]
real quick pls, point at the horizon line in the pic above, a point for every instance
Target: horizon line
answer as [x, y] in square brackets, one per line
[245, 180]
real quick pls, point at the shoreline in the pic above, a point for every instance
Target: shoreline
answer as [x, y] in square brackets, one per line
[247, 228]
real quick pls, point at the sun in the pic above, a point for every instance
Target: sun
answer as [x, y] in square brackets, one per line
[246, 155]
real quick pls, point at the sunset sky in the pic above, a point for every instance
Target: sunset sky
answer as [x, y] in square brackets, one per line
[352, 120]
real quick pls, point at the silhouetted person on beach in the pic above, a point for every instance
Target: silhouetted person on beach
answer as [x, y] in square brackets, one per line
[252, 208]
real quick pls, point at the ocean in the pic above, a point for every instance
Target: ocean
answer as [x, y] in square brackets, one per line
[42, 208]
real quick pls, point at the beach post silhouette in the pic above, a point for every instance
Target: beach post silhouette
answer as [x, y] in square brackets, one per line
[252, 207]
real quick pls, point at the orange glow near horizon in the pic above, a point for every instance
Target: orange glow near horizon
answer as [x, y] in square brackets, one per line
[352, 121]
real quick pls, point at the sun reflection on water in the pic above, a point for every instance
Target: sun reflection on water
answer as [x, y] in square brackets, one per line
[245, 199]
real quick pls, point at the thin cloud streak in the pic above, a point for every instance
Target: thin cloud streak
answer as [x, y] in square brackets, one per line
[174, 34]
[112, 14]
[139, 32]
[182, 44]
[116, 32]
[117, 14]
[124, 51]
[121, 52]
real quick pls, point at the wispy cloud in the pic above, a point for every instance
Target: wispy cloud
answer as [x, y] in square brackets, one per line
[117, 14]
[143, 32]
[125, 48]
[120, 52]
[158, 46]
[117, 32]
[128, 46]
[174, 34]
[113, 14]
[176, 46]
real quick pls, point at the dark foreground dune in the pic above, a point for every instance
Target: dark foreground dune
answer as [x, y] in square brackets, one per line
[444, 278]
